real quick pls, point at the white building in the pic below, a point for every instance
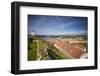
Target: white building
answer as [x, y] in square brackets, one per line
[33, 33]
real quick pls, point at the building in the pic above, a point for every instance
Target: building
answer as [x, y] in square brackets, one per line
[33, 33]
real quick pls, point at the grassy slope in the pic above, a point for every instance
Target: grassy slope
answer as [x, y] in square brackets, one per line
[52, 51]
[32, 51]
[58, 53]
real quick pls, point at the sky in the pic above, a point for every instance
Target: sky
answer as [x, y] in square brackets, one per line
[57, 25]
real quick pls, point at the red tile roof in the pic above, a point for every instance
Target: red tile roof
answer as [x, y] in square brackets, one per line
[72, 50]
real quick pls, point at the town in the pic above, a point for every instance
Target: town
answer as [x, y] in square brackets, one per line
[57, 47]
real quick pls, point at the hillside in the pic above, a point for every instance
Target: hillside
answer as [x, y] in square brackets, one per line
[39, 49]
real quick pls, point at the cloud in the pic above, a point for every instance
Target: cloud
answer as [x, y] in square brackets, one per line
[56, 25]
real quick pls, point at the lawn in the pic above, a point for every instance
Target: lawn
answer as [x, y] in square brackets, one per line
[32, 51]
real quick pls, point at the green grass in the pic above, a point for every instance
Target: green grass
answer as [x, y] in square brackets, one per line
[58, 53]
[32, 51]
[52, 55]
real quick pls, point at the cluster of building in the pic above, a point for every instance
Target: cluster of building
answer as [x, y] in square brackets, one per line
[73, 50]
